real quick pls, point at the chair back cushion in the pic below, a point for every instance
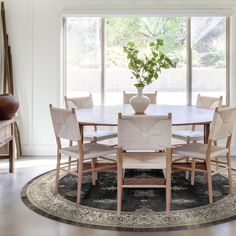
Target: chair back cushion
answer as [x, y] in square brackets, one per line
[144, 132]
[209, 102]
[79, 102]
[65, 123]
[223, 123]
[151, 96]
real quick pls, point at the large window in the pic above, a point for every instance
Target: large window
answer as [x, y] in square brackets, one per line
[83, 57]
[96, 63]
[208, 56]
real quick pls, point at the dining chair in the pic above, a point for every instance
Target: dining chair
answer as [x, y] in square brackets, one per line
[151, 96]
[92, 135]
[66, 127]
[144, 142]
[203, 155]
[196, 135]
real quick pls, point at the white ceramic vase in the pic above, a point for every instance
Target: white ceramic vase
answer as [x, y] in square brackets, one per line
[139, 102]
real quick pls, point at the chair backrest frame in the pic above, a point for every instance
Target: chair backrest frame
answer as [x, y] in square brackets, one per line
[79, 102]
[144, 132]
[223, 123]
[209, 102]
[65, 124]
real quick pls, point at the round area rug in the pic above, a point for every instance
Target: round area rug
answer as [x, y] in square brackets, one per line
[142, 209]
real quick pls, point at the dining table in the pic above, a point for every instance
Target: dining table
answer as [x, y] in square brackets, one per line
[107, 115]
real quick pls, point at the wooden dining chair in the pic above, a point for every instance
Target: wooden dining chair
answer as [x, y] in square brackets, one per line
[144, 142]
[151, 96]
[193, 134]
[92, 135]
[66, 127]
[203, 155]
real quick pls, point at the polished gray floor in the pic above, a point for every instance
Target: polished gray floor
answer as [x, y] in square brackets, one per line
[17, 220]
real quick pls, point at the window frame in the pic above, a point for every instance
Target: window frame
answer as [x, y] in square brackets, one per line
[103, 56]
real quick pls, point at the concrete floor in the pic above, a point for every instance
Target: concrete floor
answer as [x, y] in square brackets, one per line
[17, 220]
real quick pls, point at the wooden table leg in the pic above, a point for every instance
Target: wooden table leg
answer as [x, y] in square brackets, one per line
[206, 132]
[81, 127]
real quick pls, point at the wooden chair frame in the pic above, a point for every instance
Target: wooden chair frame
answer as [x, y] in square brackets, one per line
[204, 165]
[143, 183]
[188, 138]
[80, 165]
[94, 126]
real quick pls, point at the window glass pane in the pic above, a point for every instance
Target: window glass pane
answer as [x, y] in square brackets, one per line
[171, 85]
[209, 57]
[83, 58]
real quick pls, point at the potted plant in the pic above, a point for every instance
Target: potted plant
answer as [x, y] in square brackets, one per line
[145, 69]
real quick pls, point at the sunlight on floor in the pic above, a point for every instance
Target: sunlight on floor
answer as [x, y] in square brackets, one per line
[31, 162]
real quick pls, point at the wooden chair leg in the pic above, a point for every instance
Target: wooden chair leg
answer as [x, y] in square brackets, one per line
[209, 182]
[69, 158]
[69, 163]
[187, 172]
[123, 173]
[80, 180]
[229, 172]
[119, 184]
[187, 160]
[164, 173]
[217, 165]
[93, 165]
[57, 172]
[193, 171]
[168, 181]
[11, 157]
[119, 192]
[205, 173]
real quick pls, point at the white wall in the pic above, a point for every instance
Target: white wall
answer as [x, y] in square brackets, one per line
[34, 34]
[233, 68]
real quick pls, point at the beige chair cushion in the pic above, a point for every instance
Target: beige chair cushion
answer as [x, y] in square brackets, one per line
[198, 150]
[144, 160]
[99, 135]
[184, 134]
[91, 150]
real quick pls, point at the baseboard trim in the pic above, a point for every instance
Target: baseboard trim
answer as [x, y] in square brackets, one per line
[38, 150]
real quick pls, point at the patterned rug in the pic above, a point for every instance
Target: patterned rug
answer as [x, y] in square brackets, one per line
[143, 209]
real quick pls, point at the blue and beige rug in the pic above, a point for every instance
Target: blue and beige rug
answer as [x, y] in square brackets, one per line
[143, 209]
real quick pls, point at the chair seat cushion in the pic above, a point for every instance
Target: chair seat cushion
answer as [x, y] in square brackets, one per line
[144, 160]
[99, 135]
[91, 150]
[184, 134]
[198, 150]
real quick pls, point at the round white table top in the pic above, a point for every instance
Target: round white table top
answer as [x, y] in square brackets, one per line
[181, 115]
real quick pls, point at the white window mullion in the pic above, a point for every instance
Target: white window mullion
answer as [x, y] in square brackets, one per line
[103, 59]
[189, 63]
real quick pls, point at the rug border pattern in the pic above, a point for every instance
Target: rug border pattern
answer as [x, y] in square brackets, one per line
[221, 211]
